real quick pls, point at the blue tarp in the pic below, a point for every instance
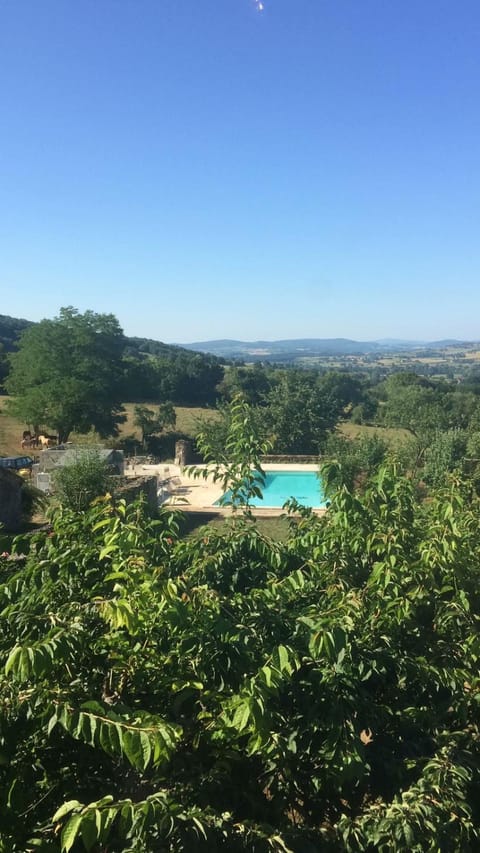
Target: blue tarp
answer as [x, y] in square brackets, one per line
[16, 462]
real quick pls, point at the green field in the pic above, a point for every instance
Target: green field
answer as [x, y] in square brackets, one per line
[391, 434]
[11, 429]
[10, 432]
[188, 420]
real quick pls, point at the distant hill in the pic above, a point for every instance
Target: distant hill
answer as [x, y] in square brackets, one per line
[399, 343]
[12, 327]
[10, 330]
[148, 346]
[448, 343]
[281, 351]
[291, 350]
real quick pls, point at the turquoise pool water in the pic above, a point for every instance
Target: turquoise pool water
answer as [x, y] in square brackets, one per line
[281, 486]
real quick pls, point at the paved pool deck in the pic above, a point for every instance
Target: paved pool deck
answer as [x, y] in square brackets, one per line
[176, 488]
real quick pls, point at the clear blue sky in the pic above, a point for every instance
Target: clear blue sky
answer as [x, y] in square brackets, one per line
[204, 169]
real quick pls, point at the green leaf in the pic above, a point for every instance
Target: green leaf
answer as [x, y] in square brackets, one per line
[94, 707]
[52, 723]
[12, 661]
[89, 829]
[146, 749]
[200, 827]
[241, 717]
[67, 807]
[268, 675]
[132, 748]
[106, 550]
[104, 522]
[283, 658]
[70, 832]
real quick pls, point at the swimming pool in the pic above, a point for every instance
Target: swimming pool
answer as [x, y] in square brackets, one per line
[281, 486]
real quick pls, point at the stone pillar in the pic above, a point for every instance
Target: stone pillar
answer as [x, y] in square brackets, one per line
[183, 453]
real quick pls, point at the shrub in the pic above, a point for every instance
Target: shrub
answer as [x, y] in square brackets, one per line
[358, 457]
[78, 483]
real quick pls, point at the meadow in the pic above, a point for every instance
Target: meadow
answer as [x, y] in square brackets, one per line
[393, 435]
[11, 429]
[188, 423]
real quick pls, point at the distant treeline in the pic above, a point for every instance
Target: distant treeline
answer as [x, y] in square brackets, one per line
[184, 378]
[152, 370]
[10, 330]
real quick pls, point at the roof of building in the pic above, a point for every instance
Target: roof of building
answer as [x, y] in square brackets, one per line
[68, 454]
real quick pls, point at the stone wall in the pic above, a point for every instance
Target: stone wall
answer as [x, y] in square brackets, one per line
[134, 487]
[10, 500]
[297, 459]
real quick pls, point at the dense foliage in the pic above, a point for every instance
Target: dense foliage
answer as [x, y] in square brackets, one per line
[10, 330]
[65, 374]
[235, 461]
[146, 370]
[86, 477]
[229, 692]
[185, 378]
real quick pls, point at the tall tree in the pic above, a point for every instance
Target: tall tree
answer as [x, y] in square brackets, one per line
[300, 413]
[415, 404]
[66, 374]
[153, 423]
[3, 365]
[253, 383]
[235, 451]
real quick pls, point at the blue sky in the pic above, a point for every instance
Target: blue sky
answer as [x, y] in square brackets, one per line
[209, 170]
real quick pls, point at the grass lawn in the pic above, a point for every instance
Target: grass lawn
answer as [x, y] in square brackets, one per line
[390, 434]
[188, 420]
[11, 429]
[10, 433]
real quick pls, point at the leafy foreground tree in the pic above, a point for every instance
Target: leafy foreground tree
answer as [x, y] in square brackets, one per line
[232, 693]
[66, 374]
[233, 453]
